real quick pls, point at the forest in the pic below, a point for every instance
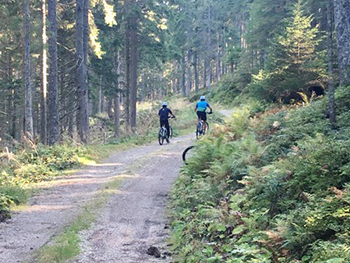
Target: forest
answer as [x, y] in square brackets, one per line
[66, 61]
[271, 184]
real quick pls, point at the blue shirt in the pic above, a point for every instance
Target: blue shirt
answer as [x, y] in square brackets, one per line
[202, 106]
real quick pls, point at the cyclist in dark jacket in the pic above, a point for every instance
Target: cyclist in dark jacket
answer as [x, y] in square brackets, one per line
[164, 116]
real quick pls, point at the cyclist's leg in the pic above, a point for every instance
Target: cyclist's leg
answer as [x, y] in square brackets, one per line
[204, 118]
[199, 117]
[166, 123]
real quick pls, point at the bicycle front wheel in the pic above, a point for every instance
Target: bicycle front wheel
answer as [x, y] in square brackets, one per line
[185, 153]
[161, 137]
[206, 129]
[171, 132]
[199, 130]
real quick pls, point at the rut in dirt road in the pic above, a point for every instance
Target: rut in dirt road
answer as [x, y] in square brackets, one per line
[132, 221]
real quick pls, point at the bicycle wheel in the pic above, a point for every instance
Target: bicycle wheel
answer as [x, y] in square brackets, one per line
[199, 130]
[185, 153]
[206, 129]
[166, 137]
[171, 132]
[160, 136]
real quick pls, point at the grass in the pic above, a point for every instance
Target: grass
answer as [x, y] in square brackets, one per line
[66, 245]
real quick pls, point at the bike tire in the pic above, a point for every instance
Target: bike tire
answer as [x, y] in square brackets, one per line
[185, 152]
[160, 136]
[199, 130]
[171, 132]
[207, 128]
[160, 139]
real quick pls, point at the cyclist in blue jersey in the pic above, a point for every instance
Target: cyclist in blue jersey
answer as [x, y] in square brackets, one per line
[200, 109]
[164, 116]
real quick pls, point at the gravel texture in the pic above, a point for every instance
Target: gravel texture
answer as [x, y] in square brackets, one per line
[132, 221]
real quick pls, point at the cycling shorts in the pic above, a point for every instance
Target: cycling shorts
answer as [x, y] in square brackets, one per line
[202, 115]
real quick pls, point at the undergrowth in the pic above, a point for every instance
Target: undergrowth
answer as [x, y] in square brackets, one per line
[267, 187]
[22, 169]
[32, 165]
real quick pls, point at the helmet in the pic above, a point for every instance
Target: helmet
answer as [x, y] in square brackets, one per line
[164, 104]
[202, 97]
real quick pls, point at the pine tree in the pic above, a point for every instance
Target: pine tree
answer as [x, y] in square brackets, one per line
[294, 60]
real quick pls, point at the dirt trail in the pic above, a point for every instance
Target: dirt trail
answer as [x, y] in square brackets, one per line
[131, 222]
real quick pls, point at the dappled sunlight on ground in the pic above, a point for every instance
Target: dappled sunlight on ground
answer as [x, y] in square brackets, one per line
[127, 176]
[43, 208]
[166, 154]
[105, 164]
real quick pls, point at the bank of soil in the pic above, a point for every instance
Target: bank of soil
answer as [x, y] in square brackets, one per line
[131, 222]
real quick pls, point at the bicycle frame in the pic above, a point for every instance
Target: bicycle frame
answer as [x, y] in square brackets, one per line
[199, 130]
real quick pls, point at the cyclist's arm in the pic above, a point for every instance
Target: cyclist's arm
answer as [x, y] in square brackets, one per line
[171, 113]
[211, 110]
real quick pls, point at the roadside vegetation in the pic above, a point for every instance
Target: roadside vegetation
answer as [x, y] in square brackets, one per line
[21, 169]
[270, 185]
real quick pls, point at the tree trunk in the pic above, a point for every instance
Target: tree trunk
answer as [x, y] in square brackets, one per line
[223, 53]
[83, 122]
[110, 108]
[118, 66]
[133, 75]
[342, 29]
[28, 116]
[52, 96]
[72, 121]
[189, 73]
[205, 76]
[173, 85]
[100, 98]
[196, 76]
[117, 115]
[36, 98]
[217, 68]
[127, 75]
[208, 57]
[43, 87]
[183, 75]
[10, 98]
[331, 101]
[143, 87]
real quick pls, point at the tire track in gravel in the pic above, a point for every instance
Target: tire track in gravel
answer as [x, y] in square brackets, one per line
[132, 219]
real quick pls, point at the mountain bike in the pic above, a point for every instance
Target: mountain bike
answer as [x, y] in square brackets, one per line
[200, 128]
[163, 134]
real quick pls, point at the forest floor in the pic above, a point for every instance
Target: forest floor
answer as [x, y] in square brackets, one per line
[130, 221]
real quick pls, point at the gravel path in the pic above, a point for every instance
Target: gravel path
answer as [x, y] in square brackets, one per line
[131, 222]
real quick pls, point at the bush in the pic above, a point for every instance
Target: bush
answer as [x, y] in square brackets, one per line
[30, 166]
[273, 187]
